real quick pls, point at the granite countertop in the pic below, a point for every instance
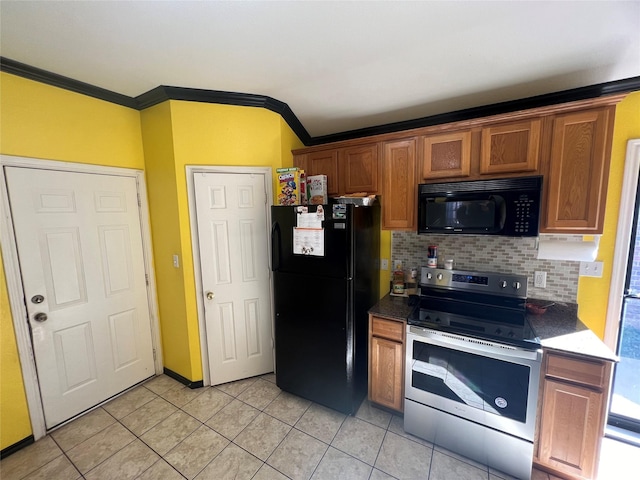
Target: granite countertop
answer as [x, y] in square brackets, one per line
[396, 308]
[558, 328]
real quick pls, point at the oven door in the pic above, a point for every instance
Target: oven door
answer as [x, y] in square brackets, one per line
[487, 383]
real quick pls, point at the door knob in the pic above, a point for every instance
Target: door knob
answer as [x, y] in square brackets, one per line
[40, 317]
[210, 295]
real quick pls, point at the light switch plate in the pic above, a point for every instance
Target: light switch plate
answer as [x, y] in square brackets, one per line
[591, 269]
[176, 261]
[384, 264]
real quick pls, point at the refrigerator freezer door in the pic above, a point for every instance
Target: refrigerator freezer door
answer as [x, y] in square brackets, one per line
[314, 340]
[337, 259]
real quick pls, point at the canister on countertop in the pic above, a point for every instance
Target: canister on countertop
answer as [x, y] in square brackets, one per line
[432, 256]
[398, 282]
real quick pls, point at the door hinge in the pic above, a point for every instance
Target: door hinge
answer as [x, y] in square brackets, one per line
[154, 354]
[139, 201]
[146, 278]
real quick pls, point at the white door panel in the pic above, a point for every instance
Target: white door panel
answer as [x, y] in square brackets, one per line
[80, 247]
[232, 232]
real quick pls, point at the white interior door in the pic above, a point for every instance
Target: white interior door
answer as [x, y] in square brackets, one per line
[81, 259]
[231, 211]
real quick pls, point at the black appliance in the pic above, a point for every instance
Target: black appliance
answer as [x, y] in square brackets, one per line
[321, 301]
[509, 207]
[473, 368]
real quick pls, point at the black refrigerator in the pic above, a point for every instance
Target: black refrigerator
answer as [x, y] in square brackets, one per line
[326, 276]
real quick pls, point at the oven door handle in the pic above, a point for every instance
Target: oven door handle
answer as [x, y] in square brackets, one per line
[450, 340]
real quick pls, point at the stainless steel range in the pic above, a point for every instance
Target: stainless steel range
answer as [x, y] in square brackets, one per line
[473, 367]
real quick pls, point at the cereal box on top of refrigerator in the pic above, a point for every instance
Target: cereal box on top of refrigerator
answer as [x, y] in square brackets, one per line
[317, 188]
[292, 186]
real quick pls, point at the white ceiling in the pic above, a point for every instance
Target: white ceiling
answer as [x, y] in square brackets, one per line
[339, 65]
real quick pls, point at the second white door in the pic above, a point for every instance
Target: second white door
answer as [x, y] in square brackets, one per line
[231, 210]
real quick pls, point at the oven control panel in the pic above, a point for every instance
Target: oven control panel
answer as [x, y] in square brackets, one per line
[487, 282]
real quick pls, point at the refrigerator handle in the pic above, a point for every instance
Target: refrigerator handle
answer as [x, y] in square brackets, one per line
[275, 246]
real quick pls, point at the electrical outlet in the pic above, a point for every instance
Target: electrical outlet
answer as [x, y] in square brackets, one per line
[540, 279]
[384, 264]
[591, 269]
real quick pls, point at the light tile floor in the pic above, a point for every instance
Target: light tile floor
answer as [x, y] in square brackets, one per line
[248, 429]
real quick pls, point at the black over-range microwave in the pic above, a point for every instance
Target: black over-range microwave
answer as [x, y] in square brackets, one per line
[509, 207]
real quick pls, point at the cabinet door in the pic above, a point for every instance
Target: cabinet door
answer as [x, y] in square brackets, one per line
[510, 148]
[399, 189]
[570, 428]
[446, 155]
[576, 187]
[301, 161]
[360, 166]
[386, 373]
[325, 163]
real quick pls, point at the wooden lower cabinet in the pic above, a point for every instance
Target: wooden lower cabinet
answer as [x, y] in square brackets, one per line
[572, 414]
[386, 362]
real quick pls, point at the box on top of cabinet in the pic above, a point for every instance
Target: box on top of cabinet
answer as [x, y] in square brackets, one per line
[293, 186]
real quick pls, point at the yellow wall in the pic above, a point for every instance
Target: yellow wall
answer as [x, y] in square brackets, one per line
[157, 132]
[40, 121]
[177, 134]
[14, 414]
[593, 293]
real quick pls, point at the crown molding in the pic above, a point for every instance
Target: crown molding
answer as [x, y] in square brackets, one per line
[53, 79]
[575, 94]
[158, 95]
[163, 93]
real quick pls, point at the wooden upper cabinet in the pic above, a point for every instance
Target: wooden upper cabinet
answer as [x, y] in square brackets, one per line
[510, 147]
[446, 155]
[360, 167]
[301, 161]
[576, 184]
[325, 163]
[399, 189]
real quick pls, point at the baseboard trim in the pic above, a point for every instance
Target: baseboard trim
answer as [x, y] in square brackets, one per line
[183, 380]
[25, 442]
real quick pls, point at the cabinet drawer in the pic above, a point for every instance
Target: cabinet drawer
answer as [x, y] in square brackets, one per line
[586, 372]
[387, 329]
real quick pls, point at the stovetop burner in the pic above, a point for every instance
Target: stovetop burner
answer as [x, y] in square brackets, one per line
[482, 305]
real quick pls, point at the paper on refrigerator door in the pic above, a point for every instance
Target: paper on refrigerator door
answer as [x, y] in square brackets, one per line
[309, 220]
[308, 241]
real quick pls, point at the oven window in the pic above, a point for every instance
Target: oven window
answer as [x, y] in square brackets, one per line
[495, 386]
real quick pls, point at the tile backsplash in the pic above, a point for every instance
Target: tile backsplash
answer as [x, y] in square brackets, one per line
[494, 254]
